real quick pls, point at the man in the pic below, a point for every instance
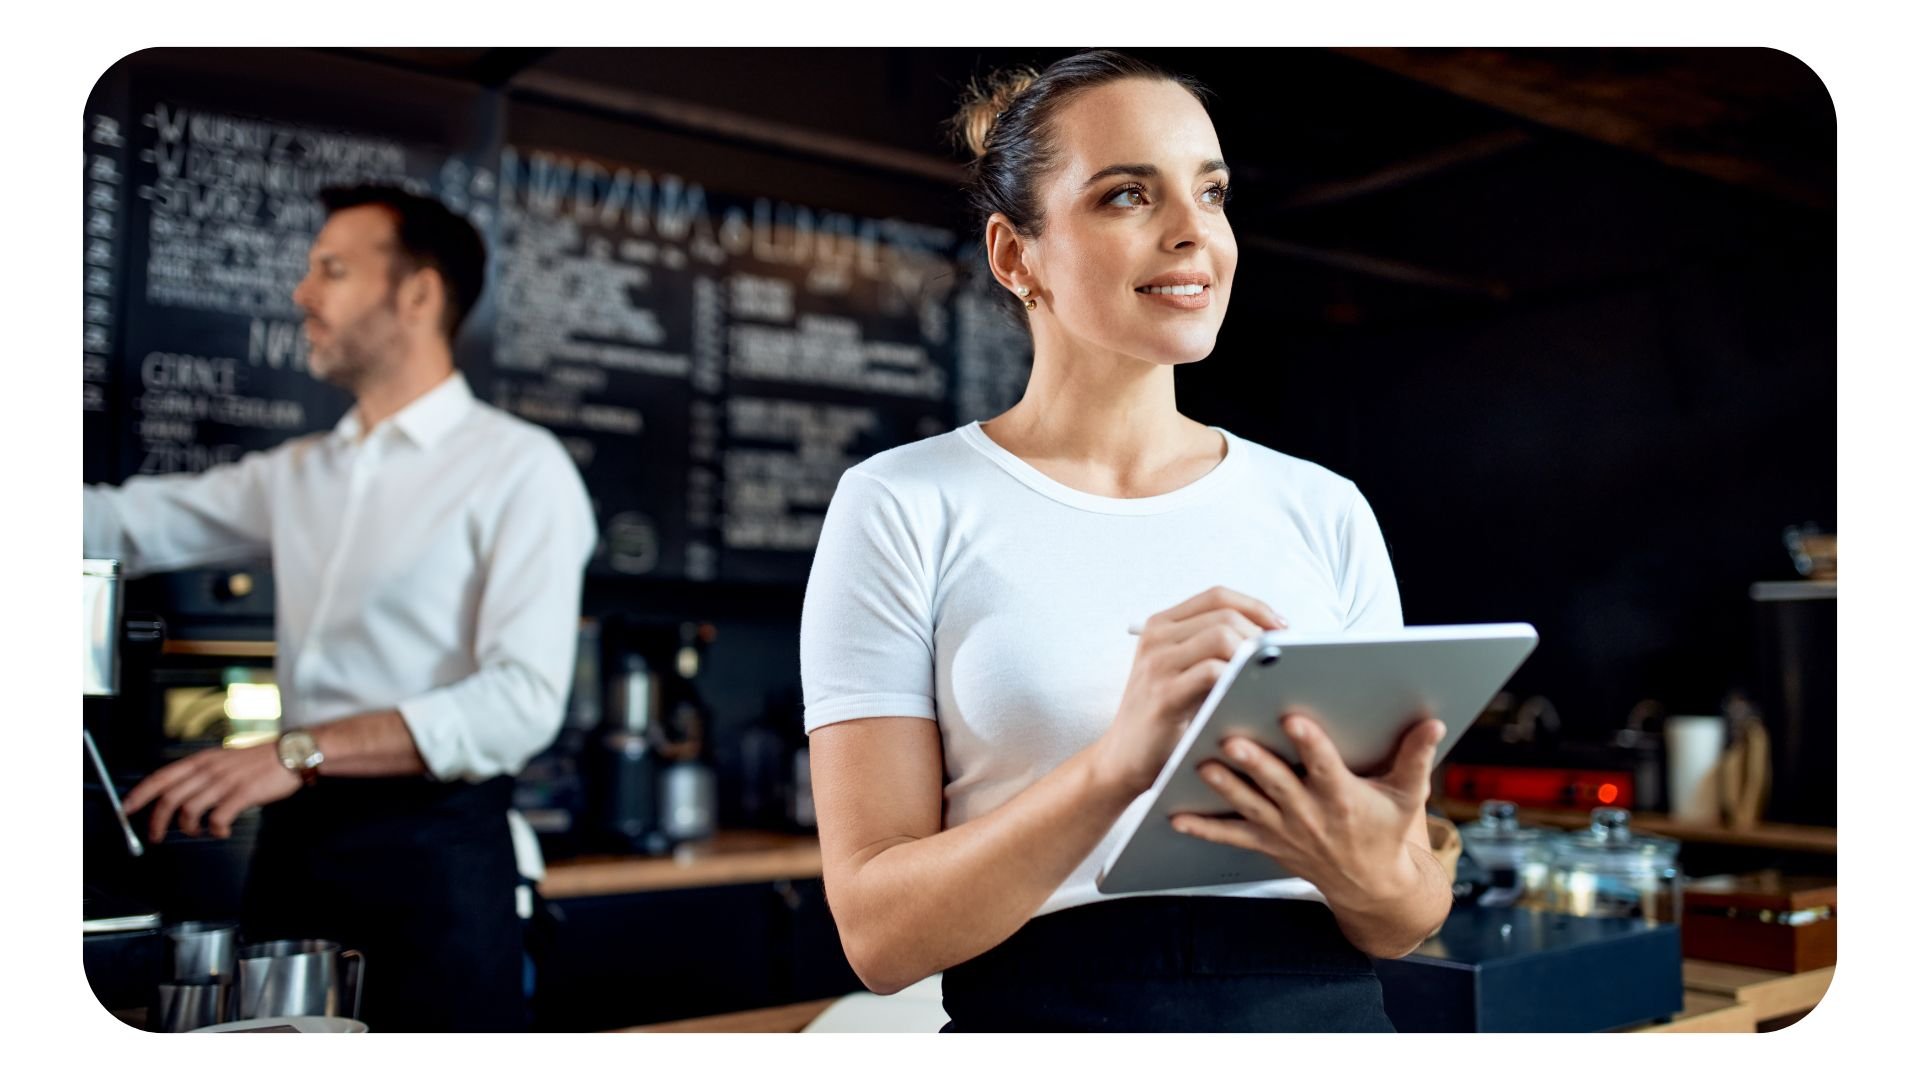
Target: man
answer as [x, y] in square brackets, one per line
[428, 555]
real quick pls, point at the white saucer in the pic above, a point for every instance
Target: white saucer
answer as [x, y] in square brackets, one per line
[293, 1024]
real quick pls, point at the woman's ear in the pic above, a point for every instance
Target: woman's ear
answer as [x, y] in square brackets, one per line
[1009, 255]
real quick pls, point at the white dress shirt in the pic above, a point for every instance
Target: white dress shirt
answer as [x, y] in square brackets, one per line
[433, 565]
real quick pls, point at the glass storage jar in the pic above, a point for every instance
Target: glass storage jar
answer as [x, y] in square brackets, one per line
[1610, 870]
[1516, 857]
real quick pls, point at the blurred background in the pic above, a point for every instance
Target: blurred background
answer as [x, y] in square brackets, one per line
[1567, 317]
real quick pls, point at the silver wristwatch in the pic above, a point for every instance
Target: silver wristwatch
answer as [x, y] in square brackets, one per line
[300, 754]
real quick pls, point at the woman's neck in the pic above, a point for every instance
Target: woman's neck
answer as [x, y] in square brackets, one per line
[1107, 425]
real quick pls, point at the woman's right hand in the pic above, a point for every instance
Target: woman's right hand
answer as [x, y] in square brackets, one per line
[1182, 652]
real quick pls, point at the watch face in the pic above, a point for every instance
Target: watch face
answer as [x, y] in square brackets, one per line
[296, 747]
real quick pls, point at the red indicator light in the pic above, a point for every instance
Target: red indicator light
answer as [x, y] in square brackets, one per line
[1608, 793]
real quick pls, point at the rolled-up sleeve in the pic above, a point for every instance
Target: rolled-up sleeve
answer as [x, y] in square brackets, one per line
[493, 721]
[866, 623]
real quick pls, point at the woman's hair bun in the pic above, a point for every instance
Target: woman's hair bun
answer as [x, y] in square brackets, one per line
[986, 99]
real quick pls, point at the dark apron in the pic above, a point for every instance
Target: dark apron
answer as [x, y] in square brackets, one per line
[1202, 963]
[419, 876]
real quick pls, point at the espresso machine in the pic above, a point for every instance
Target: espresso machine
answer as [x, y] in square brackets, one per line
[100, 671]
[121, 937]
[194, 974]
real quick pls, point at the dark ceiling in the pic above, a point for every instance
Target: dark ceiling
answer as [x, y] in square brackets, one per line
[1750, 117]
[1427, 177]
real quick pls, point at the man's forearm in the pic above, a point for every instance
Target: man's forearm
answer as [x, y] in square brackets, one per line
[369, 744]
[1394, 924]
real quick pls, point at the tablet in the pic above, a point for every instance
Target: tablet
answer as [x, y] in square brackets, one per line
[1364, 689]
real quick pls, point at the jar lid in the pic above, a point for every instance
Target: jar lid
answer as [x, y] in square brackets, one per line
[1498, 839]
[1611, 844]
[1500, 820]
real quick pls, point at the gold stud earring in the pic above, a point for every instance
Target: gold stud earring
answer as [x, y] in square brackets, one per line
[1031, 303]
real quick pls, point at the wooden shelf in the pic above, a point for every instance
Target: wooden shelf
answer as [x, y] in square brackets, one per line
[1819, 839]
[730, 858]
[188, 647]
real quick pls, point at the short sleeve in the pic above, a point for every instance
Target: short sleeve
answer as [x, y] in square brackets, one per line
[1365, 572]
[866, 623]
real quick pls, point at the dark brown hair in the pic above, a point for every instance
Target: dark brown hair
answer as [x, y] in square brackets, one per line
[1006, 121]
[426, 234]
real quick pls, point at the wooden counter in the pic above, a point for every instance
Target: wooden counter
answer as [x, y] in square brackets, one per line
[1709, 1012]
[1778, 837]
[1773, 995]
[1718, 998]
[786, 1018]
[730, 858]
[1723, 997]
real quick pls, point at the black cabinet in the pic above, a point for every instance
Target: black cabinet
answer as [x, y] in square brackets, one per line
[616, 961]
[818, 963]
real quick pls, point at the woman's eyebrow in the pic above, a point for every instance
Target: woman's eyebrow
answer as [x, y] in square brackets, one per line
[1147, 172]
[1144, 171]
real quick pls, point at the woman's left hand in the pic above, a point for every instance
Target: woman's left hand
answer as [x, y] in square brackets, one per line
[1348, 835]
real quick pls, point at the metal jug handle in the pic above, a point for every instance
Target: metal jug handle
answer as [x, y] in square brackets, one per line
[356, 962]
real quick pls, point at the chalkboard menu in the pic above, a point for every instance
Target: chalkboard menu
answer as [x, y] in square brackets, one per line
[714, 358]
[103, 223]
[221, 211]
[714, 333]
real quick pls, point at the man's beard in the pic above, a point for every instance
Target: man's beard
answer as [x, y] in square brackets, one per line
[360, 352]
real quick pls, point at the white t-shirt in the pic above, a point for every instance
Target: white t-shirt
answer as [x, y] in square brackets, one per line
[955, 582]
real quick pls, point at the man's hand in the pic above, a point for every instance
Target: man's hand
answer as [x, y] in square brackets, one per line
[224, 782]
[227, 782]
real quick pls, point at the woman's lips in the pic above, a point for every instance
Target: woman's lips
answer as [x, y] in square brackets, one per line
[1195, 302]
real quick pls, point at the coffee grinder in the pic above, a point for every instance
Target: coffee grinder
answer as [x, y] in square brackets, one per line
[650, 787]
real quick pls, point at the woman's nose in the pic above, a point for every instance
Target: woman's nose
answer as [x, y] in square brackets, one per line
[1187, 229]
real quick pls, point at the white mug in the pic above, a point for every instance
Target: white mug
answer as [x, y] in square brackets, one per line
[1694, 745]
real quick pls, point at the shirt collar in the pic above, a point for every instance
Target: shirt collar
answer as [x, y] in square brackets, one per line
[426, 419]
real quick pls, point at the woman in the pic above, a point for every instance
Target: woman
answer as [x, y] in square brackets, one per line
[964, 642]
